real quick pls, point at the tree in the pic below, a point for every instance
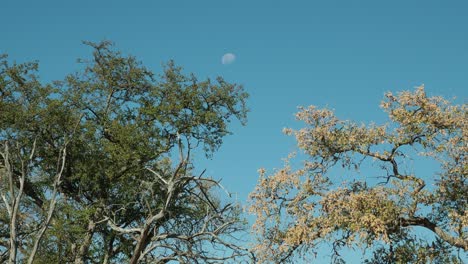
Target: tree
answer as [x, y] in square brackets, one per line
[98, 168]
[299, 209]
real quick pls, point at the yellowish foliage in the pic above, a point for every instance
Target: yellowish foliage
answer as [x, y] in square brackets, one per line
[296, 209]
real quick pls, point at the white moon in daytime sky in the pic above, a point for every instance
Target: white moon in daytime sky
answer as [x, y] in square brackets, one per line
[228, 58]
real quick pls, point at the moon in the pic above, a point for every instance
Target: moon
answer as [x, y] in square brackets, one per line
[228, 58]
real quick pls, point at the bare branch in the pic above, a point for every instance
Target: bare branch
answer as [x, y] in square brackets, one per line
[121, 229]
[158, 175]
[51, 210]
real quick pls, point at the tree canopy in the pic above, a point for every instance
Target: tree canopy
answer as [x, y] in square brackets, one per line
[358, 187]
[97, 167]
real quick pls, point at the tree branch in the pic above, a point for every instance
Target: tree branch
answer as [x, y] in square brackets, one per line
[424, 222]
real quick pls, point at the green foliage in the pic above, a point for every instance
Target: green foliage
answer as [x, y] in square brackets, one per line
[415, 251]
[116, 120]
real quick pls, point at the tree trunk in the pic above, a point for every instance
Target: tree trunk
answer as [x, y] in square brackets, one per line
[83, 251]
[141, 245]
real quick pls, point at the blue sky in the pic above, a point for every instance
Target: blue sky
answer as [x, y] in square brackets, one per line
[341, 54]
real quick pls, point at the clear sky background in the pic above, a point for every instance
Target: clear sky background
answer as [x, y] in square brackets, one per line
[341, 54]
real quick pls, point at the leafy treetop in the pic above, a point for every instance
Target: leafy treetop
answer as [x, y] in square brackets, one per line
[298, 209]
